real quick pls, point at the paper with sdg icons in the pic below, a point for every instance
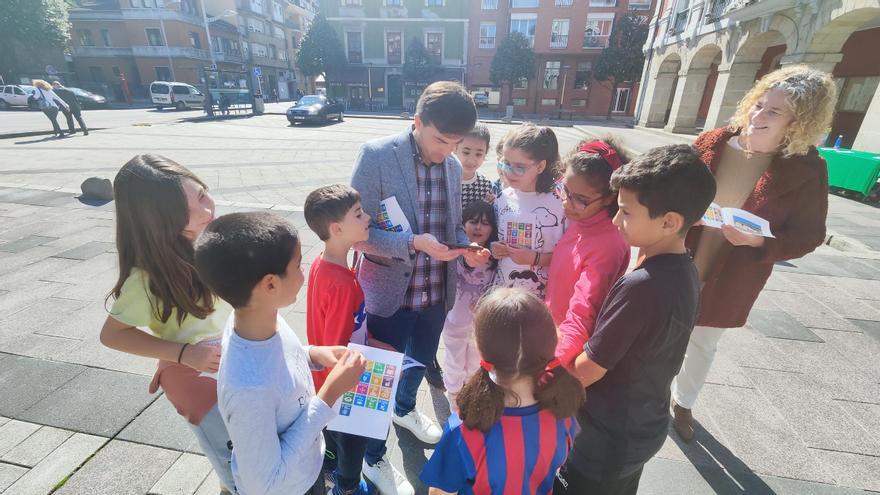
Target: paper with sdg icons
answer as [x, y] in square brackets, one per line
[366, 409]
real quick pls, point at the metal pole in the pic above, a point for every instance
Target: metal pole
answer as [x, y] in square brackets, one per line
[208, 32]
[562, 97]
[370, 84]
[167, 48]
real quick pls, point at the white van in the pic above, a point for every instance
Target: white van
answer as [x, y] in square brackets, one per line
[175, 94]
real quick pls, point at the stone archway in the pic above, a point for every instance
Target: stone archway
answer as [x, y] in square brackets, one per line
[685, 106]
[660, 90]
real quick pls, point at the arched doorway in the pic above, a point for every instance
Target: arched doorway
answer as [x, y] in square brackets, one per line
[686, 106]
[664, 84]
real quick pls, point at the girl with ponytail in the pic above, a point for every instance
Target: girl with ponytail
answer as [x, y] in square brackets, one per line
[514, 427]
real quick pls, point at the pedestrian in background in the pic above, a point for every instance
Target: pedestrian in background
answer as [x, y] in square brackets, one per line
[48, 102]
[74, 108]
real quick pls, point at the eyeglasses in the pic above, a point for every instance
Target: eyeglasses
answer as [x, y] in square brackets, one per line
[575, 199]
[518, 170]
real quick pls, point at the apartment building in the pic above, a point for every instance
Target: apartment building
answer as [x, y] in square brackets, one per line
[704, 55]
[567, 37]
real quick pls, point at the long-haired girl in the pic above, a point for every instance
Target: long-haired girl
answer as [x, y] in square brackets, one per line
[161, 207]
[515, 425]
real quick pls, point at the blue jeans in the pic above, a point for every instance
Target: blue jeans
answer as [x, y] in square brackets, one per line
[214, 441]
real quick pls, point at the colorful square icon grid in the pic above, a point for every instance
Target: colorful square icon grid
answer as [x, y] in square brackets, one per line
[373, 390]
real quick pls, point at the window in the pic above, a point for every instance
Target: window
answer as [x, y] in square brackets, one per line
[277, 12]
[487, 35]
[154, 37]
[597, 30]
[352, 3]
[188, 7]
[564, 3]
[194, 40]
[548, 102]
[116, 71]
[278, 32]
[145, 4]
[640, 4]
[621, 100]
[105, 37]
[523, 4]
[522, 83]
[603, 3]
[162, 73]
[282, 55]
[559, 33]
[273, 52]
[85, 37]
[256, 26]
[489, 4]
[257, 6]
[434, 45]
[524, 25]
[578, 103]
[97, 74]
[583, 75]
[551, 74]
[857, 93]
[355, 47]
[435, 3]
[393, 48]
[245, 49]
[519, 102]
[679, 22]
[393, 3]
[260, 50]
[180, 90]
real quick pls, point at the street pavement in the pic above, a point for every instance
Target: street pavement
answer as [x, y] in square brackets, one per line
[792, 405]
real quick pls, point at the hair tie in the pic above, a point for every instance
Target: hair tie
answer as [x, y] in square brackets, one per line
[486, 366]
[552, 364]
[607, 153]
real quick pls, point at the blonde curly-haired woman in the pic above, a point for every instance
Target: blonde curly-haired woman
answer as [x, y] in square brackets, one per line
[764, 162]
[49, 103]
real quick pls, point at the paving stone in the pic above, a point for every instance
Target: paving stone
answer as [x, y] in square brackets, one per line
[24, 297]
[70, 318]
[831, 265]
[120, 468]
[810, 312]
[26, 381]
[161, 426]
[94, 288]
[99, 402]
[12, 262]
[759, 436]
[870, 328]
[748, 348]
[859, 288]
[37, 446]
[25, 243]
[819, 421]
[13, 433]
[37, 346]
[86, 251]
[778, 324]
[55, 467]
[9, 474]
[40, 318]
[860, 349]
[211, 486]
[38, 270]
[853, 470]
[184, 476]
[84, 270]
[847, 306]
[4, 420]
[867, 415]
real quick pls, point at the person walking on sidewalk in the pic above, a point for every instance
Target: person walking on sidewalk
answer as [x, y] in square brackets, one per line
[410, 184]
[48, 102]
[74, 108]
[765, 162]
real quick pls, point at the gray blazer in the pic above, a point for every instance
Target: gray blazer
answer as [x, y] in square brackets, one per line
[385, 168]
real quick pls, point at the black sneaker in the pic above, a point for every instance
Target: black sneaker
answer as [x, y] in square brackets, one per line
[434, 375]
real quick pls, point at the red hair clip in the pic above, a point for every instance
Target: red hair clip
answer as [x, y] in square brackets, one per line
[486, 366]
[606, 152]
[553, 363]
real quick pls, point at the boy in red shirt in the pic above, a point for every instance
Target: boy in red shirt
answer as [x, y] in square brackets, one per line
[336, 315]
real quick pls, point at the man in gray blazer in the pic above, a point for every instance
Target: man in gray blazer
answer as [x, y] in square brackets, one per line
[410, 185]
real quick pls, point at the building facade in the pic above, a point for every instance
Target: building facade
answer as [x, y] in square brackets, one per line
[567, 36]
[375, 35]
[149, 40]
[718, 48]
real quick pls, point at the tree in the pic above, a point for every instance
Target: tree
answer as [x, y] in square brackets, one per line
[420, 66]
[513, 61]
[27, 27]
[622, 61]
[320, 51]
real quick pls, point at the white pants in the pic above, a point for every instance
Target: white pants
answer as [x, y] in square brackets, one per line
[462, 358]
[695, 368]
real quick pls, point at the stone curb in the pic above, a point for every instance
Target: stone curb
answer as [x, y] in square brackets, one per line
[13, 135]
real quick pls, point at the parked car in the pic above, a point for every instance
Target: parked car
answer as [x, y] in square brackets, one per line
[315, 108]
[175, 94]
[87, 99]
[481, 99]
[16, 95]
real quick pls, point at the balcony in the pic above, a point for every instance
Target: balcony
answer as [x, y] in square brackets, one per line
[170, 51]
[233, 57]
[101, 51]
[591, 41]
[558, 40]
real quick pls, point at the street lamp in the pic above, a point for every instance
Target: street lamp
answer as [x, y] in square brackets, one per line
[562, 96]
[226, 13]
[165, 37]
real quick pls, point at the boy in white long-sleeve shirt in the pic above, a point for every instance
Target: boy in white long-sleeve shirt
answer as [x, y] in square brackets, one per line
[264, 388]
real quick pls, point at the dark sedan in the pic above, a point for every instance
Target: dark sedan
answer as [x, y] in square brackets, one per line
[87, 99]
[315, 108]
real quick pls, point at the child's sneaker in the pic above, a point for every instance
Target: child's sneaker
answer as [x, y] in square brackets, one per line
[362, 489]
[387, 479]
[419, 425]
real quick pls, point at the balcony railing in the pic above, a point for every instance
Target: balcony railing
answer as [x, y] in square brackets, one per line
[716, 9]
[591, 41]
[639, 4]
[170, 51]
[233, 56]
[355, 58]
[558, 40]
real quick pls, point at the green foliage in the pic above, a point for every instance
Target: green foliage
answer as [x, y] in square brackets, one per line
[513, 61]
[419, 66]
[26, 24]
[622, 61]
[320, 51]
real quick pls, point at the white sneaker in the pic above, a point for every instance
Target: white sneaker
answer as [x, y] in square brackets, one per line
[419, 425]
[387, 478]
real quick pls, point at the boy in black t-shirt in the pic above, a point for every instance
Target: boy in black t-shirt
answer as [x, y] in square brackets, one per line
[643, 327]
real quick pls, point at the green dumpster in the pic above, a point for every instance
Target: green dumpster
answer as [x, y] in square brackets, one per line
[851, 170]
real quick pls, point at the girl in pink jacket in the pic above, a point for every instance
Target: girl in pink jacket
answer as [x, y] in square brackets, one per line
[592, 254]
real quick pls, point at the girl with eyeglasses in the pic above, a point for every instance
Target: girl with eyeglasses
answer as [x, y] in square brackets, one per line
[530, 216]
[592, 253]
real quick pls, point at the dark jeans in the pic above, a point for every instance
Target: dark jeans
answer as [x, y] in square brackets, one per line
[52, 113]
[78, 115]
[417, 335]
[569, 480]
[350, 451]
